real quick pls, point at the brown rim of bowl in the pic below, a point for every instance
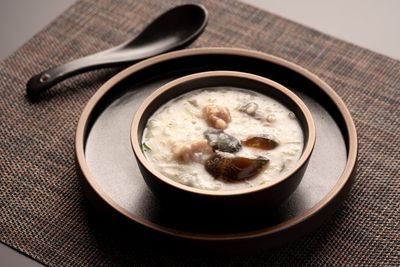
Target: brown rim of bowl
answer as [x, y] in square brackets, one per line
[307, 149]
[346, 174]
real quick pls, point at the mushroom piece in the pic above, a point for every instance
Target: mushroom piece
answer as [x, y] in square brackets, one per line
[233, 169]
[221, 141]
[249, 108]
[260, 142]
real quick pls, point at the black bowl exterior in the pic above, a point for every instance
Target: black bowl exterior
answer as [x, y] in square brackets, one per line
[266, 197]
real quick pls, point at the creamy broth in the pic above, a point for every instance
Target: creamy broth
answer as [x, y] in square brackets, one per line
[174, 139]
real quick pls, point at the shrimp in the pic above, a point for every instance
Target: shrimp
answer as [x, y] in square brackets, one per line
[192, 151]
[216, 116]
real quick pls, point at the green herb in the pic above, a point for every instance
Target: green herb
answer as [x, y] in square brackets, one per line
[146, 147]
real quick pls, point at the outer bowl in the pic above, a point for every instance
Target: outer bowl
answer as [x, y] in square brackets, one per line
[264, 196]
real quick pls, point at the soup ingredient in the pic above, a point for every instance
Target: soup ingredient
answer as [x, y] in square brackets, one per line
[221, 141]
[216, 116]
[271, 118]
[234, 168]
[292, 116]
[192, 151]
[249, 108]
[260, 142]
[146, 147]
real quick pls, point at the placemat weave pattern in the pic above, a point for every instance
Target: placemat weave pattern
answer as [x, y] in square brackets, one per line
[43, 212]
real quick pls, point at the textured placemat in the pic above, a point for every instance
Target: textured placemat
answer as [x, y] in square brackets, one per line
[43, 212]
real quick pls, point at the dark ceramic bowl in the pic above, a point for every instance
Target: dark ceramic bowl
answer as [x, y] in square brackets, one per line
[268, 195]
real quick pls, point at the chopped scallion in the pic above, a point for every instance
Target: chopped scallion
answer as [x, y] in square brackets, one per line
[146, 147]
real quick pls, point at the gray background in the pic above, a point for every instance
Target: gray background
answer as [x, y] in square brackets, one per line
[373, 24]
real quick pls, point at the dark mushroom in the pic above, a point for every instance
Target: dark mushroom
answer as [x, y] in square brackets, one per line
[233, 169]
[249, 108]
[260, 142]
[221, 141]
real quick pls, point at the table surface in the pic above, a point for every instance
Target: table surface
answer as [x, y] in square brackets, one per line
[368, 23]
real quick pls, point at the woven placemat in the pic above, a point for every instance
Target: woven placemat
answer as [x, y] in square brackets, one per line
[43, 212]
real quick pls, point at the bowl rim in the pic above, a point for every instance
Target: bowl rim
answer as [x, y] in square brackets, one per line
[308, 125]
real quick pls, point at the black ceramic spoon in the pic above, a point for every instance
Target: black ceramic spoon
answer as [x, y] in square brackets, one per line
[174, 29]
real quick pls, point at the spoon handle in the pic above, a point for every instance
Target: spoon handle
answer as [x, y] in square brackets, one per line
[46, 79]
[163, 34]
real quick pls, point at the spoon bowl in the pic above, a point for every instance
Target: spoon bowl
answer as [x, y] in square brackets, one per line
[174, 29]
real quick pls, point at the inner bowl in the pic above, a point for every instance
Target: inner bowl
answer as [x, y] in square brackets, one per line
[266, 195]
